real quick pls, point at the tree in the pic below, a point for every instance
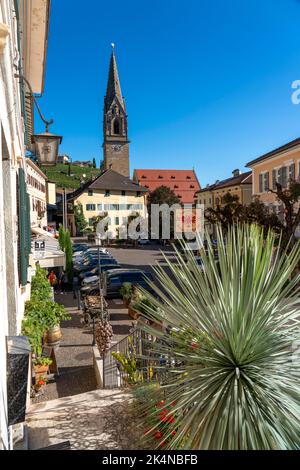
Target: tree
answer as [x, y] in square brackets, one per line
[226, 214]
[61, 237]
[232, 211]
[69, 255]
[234, 385]
[291, 209]
[163, 195]
[94, 163]
[80, 221]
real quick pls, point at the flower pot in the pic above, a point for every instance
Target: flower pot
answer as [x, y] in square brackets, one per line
[133, 314]
[40, 371]
[53, 336]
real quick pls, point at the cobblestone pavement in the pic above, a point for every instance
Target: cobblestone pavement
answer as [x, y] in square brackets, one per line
[74, 357]
[99, 420]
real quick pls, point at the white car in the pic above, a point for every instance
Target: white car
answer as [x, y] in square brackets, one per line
[90, 280]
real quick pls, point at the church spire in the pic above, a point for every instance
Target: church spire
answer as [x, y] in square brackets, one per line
[113, 85]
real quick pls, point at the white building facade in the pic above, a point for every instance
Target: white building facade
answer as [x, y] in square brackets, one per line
[19, 54]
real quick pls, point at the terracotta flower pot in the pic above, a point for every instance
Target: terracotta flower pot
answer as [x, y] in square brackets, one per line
[40, 371]
[133, 314]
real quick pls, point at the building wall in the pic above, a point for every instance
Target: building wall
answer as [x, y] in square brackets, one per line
[244, 193]
[101, 201]
[37, 190]
[263, 175]
[206, 198]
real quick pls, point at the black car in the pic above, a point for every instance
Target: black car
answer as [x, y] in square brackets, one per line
[95, 271]
[114, 279]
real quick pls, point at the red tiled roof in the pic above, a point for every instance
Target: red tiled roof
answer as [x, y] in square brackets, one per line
[184, 183]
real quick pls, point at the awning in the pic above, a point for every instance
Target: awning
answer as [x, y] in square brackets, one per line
[47, 252]
[40, 231]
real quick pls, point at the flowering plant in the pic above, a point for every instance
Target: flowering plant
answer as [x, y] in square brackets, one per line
[163, 424]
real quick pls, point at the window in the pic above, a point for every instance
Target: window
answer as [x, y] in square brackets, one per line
[188, 178]
[192, 186]
[107, 192]
[99, 207]
[264, 182]
[116, 127]
[172, 177]
[91, 207]
[122, 207]
[117, 221]
[160, 177]
[123, 193]
[138, 193]
[91, 192]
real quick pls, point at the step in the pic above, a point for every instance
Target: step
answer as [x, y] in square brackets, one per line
[100, 420]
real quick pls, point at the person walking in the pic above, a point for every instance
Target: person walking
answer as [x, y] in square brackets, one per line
[52, 279]
[64, 282]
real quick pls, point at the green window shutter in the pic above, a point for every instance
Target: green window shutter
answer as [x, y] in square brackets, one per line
[24, 228]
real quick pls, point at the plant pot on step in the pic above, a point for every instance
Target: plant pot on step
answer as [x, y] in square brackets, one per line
[40, 371]
[53, 336]
[132, 313]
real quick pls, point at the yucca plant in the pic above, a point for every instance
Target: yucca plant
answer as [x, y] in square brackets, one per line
[228, 347]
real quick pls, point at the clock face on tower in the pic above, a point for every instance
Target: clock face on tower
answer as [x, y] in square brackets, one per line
[116, 148]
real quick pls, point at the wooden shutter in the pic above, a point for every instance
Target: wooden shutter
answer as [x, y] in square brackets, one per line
[274, 179]
[292, 172]
[24, 228]
[267, 182]
[284, 176]
[260, 183]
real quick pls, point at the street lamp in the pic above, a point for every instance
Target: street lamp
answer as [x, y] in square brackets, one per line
[46, 147]
[98, 243]
[46, 144]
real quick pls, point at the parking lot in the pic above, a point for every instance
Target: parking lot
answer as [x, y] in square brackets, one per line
[142, 257]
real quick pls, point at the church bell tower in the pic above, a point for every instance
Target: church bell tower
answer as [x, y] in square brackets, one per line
[115, 130]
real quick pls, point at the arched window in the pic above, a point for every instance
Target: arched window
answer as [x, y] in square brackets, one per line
[117, 130]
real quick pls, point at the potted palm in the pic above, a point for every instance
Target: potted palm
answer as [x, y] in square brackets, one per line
[126, 293]
[230, 367]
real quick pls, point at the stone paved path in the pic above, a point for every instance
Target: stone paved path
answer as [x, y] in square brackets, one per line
[74, 357]
[98, 420]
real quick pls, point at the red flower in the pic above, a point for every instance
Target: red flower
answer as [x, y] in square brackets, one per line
[174, 433]
[162, 444]
[173, 404]
[158, 435]
[160, 404]
[41, 382]
[195, 345]
[171, 419]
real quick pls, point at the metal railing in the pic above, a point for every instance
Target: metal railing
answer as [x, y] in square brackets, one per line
[113, 375]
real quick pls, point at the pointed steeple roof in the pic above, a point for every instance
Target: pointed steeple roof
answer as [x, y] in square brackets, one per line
[113, 85]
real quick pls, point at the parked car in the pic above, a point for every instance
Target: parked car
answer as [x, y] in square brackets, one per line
[80, 247]
[94, 263]
[143, 242]
[94, 271]
[113, 280]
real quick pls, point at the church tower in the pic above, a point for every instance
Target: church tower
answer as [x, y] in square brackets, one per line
[115, 131]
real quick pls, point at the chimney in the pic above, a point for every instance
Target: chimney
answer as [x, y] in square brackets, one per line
[236, 173]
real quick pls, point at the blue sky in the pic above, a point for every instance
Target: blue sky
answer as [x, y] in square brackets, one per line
[207, 83]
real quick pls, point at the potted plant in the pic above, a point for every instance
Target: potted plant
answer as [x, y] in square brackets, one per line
[40, 384]
[126, 292]
[41, 367]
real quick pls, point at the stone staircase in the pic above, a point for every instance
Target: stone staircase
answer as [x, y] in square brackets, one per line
[97, 420]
